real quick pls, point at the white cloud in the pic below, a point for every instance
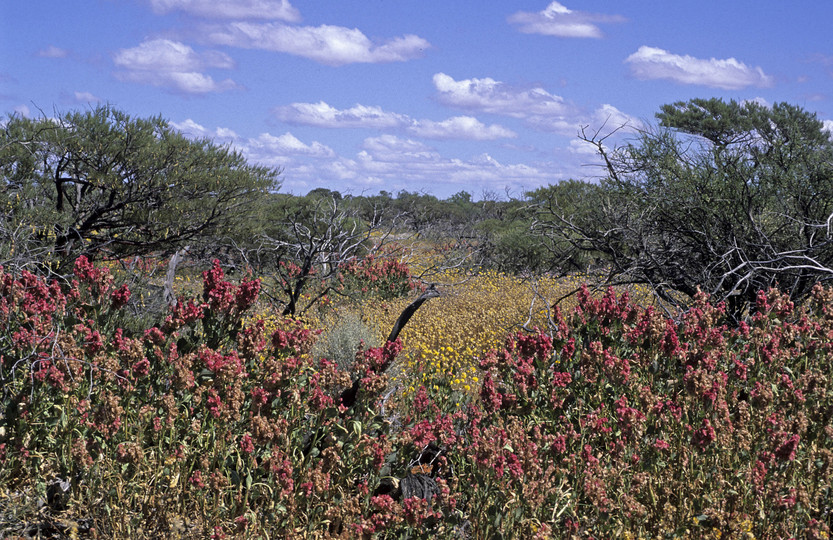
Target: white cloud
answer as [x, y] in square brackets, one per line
[23, 110]
[538, 108]
[388, 162]
[162, 62]
[609, 117]
[582, 148]
[728, 74]
[188, 83]
[86, 97]
[438, 175]
[53, 52]
[171, 56]
[225, 133]
[460, 127]
[394, 149]
[393, 164]
[758, 101]
[491, 96]
[557, 20]
[192, 129]
[828, 126]
[322, 114]
[266, 149]
[231, 9]
[286, 145]
[327, 44]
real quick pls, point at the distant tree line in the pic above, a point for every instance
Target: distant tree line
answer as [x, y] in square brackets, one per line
[724, 197]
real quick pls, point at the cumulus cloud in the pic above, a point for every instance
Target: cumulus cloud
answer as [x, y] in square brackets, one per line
[391, 148]
[230, 9]
[395, 163]
[322, 114]
[582, 148]
[427, 169]
[728, 74]
[612, 118]
[85, 97]
[385, 161]
[266, 149]
[828, 126]
[538, 108]
[557, 20]
[286, 145]
[166, 63]
[167, 55]
[53, 52]
[327, 44]
[460, 127]
[491, 96]
[758, 101]
[197, 131]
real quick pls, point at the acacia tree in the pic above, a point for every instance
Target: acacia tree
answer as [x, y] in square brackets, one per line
[562, 253]
[729, 197]
[101, 182]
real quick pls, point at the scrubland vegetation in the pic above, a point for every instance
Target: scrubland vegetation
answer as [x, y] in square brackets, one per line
[644, 357]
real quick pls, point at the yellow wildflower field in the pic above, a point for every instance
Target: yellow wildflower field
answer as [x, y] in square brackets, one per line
[474, 314]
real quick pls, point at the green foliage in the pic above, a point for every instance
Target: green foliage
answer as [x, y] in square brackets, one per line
[556, 208]
[512, 248]
[617, 422]
[100, 181]
[306, 242]
[319, 247]
[728, 197]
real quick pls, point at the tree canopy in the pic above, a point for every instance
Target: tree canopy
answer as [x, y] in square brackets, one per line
[729, 197]
[102, 182]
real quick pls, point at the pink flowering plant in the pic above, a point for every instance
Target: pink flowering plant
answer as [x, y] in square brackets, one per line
[215, 423]
[202, 420]
[381, 275]
[619, 420]
[622, 420]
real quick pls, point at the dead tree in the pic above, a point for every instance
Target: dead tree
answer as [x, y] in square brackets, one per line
[310, 244]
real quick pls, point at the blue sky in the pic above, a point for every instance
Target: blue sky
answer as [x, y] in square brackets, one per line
[428, 96]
